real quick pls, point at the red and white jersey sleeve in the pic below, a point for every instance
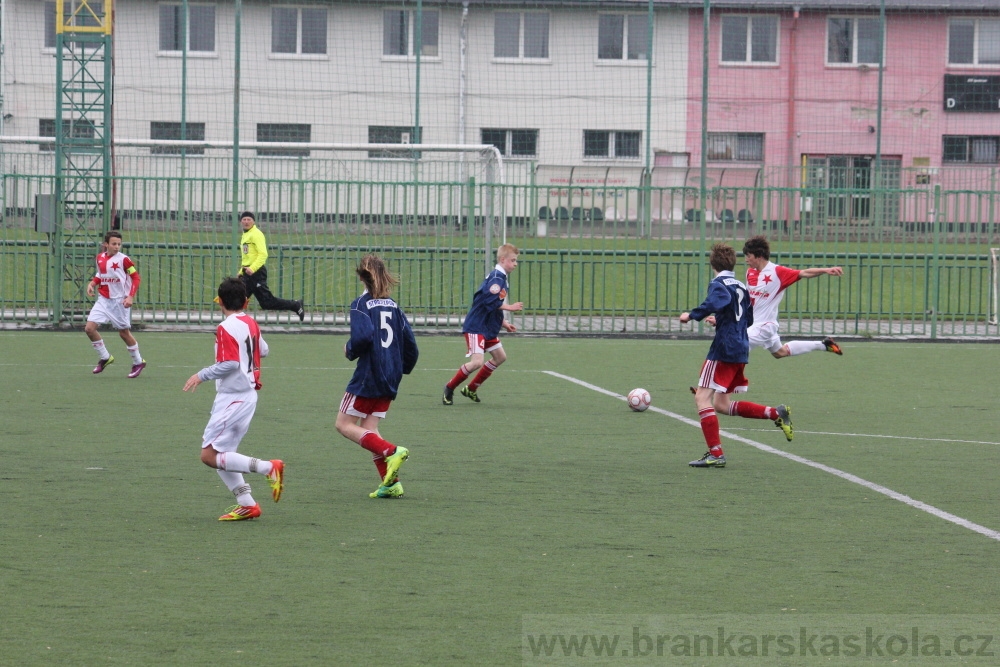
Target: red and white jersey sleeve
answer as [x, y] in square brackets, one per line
[115, 274]
[238, 339]
[767, 287]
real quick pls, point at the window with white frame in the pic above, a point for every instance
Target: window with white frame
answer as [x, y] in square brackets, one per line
[74, 13]
[387, 134]
[284, 133]
[399, 33]
[622, 37]
[853, 41]
[749, 39]
[72, 128]
[512, 143]
[975, 150]
[521, 35]
[735, 147]
[298, 30]
[200, 28]
[611, 144]
[974, 42]
[167, 131]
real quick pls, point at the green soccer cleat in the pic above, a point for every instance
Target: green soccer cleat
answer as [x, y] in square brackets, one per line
[102, 364]
[393, 463]
[470, 394]
[709, 461]
[241, 513]
[276, 479]
[394, 490]
[784, 421]
[448, 395]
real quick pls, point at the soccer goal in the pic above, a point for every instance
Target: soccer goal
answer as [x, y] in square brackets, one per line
[438, 212]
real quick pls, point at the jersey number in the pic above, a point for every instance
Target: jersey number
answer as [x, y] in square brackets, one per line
[386, 316]
[249, 343]
[739, 304]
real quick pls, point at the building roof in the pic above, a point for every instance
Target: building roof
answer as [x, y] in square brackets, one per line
[991, 6]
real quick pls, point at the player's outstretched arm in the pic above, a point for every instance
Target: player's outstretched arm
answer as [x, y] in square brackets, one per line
[192, 383]
[821, 271]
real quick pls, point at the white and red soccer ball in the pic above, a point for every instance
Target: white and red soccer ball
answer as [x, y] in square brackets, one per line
[638, 400]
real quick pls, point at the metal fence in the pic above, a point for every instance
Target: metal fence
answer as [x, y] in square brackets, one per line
[600, 254]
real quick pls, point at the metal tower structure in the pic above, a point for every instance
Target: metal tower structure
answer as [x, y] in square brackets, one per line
[82, 190]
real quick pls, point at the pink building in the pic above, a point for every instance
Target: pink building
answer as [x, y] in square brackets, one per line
[794, 88]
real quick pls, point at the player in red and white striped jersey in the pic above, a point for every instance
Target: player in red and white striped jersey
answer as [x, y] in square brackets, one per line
[238, 351]
[767, 282]
[117, 282]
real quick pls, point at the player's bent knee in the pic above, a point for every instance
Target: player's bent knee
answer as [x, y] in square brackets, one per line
[208, 456]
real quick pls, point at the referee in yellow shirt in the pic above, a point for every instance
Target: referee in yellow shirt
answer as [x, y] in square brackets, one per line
[253, 273]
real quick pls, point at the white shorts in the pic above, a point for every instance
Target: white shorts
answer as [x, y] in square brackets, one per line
[230, 420]
[107, 310]
[765, 335]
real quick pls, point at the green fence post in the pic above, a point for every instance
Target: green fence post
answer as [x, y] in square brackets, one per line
[937, 261]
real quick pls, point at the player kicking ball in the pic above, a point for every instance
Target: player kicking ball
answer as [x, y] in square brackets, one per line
[238, 350]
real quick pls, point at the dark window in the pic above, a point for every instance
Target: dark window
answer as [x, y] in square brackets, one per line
[975, 150]
[735, 147]
[611, 144]
[397, 35]
[512, 143]
[622, 37]
[172, 131]
[508, 28]
[283, 133]
[298, 30]
[201, 28]
[72, 129]
[380, 134]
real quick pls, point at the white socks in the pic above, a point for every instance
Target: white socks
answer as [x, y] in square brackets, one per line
[134, 351]
[802, 346]
[234, 482]
[102, 351]
[233, 462]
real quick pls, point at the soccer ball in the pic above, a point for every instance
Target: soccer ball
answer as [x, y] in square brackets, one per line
[638, 399]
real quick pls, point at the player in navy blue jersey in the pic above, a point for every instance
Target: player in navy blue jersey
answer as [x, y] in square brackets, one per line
[383, 343]
[722, 372]
[482, 327]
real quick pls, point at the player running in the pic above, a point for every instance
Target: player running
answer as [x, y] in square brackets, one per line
[117, 282]
[722, 372]
[238, 351]
[386, 349]
[482, 327]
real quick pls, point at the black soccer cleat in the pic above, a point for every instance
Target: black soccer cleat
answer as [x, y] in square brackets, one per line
[831, 346]
[448, 395]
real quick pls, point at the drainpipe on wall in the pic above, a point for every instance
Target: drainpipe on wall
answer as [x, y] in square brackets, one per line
[790, 132]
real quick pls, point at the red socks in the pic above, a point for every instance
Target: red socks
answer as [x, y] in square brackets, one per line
[751, 410]
[459, 377]
[710, 429]
[376, 445]
[484, 373]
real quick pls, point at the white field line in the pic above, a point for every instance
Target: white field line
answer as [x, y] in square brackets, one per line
[878, 488]
[872, 435]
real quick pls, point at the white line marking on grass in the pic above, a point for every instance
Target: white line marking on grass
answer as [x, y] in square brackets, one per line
[878, 488]
[875, 435]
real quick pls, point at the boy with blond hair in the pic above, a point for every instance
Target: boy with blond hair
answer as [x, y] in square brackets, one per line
[482, 327]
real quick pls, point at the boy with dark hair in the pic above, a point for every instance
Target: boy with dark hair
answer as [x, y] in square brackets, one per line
[117, 281]
[767, 282]
[722, 372]
[238, 351]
